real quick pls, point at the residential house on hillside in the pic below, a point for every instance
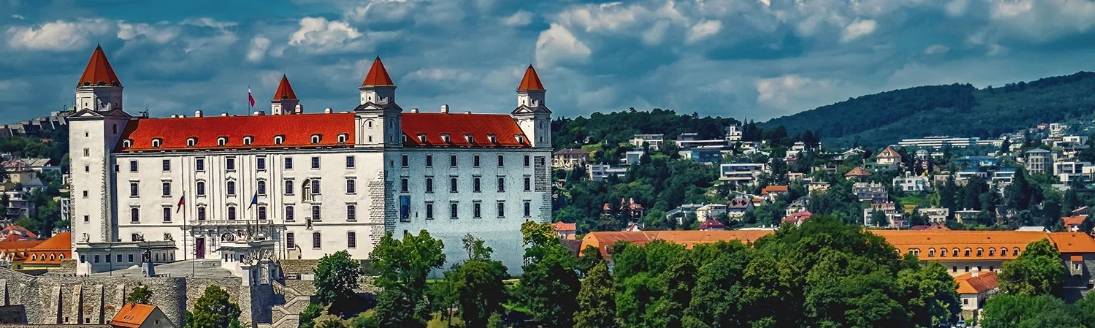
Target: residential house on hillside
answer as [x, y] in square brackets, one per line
[710, 212]
[133, 315]
[974, 288]
[772, 192]
[738, 206]
[566, 231]
[569, 158]
[797, 218]
[911, 183]
[888, 158]
[893, 217]
[857, 173]
[633, 157]
[870, 192]
[936, 215]
[656, 141]
[742, 173]
[600, 172]
[689, 140]
[1038, 161]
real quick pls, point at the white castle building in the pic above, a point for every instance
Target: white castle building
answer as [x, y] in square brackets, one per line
[303, 184]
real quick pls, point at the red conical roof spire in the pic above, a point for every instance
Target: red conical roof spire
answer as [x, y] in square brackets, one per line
[378, 75]
[531, 81]
[285, 91]
[98, 71]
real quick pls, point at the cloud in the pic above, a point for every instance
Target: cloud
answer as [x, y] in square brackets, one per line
[790, 93]
[558, 45]
[257, 50]
[858, 29]
[159, 34]
[57, 35]
[703, 29]
[319, 35]
[518, 19]
[936, 49]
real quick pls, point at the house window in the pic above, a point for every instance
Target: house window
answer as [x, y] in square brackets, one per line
[351, 212]
[261, 187]
[315, 162]
[199, 164]
[166, 188]
[133, 166]
[290, 240]
[167, 165]
[527, 208]
[279, 140]
[501, 209]
[315, 240]
[475, 184]
[262, 213]
[230, 188]
[201, 213]
[289, 217]
[501, 184]
[527, 160]
[247, 140]
[477, 209]
[315, 139]
[528, 183]
[167, 215]
[232, 213]
[404, 161]
[125, 144]
[475, 161]
[230, 163]
[133, 189]
[316, 213]
[341, 138]
[429, 210]
[155, 143]
[315, 186]
[288, 163]
[453, 207]
[429, 160]
[351, 239]
[452, 160]
[404, 185]
[350, 162]
[501, 161]
[452, 185]
[260, 163]
[134, 215]
[351, 186]
[288, 187]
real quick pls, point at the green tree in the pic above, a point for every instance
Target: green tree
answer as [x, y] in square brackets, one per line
[930, 294]
[596, 300]
[403, 265]
[1017, 310]
[1038, 271]
[718, 298]
[478, 284]
[214, 310]
[336, 278]
[550, 283]
[140, 295]
[310, 313]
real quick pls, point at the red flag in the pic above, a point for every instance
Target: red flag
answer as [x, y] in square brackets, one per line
[250, 98]
[179, 206]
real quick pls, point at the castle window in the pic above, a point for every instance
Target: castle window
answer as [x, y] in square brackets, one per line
[351, 212]
[232, 213]
[230, 188]
[230, 163]
[191, 142]
[342, 138]
[931, 252]
[469, 138]
[992, 251]
[520, 138]
[421, 138]
[446, 138]
[127, 143]
[156, 143]
[279, 140]
[222, 141]
[315, 139]
[289, 217]
[351, 239]
[261, 187]
[492, 139]
[1003, 251]
[315, 240]
[201, 213]
[967, 253]
[247, 140]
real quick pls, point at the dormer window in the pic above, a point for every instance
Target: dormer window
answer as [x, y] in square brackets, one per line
[422, 138]
[279, 140]
[247, 140]
[315, 139]
[492, 139]
[446, 138]
[520, 138]
[342, 138]
[156, 143]
[191, 142]
[222, 141]
[469, 138]
[127, 143]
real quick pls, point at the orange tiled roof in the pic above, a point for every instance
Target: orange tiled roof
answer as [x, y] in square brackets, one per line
[602, 240]
[132, 315]
[889, 152]
[773, 189]
[857, 172]
[285, 90]
[1074, 220]
[983, 282]
[563, 226]
[98, 71]
[378, 75]
[1072, 242]
[531, 81]
[51, 251]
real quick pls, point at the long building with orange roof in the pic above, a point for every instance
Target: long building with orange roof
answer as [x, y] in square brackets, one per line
[603, 240]
[49, 253]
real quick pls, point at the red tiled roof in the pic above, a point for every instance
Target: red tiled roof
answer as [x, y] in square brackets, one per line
[603, 240]
[8, 245]
[296, 129]
[983, 282]
[563, 226]
[773, 189]
[1072, 242]
[15, 232]
[378, 75]
[285, 90]
[857, 172]
[1074, 220]
[98, 71]
[132, 315]
[479, 126]
[52, 251]
[797, 217]
[531, 81]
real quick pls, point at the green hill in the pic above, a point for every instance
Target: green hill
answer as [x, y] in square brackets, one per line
[956, 110]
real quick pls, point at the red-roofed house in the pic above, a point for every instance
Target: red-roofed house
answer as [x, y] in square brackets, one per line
[797, 218]
[49, 253]
[1073, 223]
[314, 183]
[773, 191]
[566, 231]
[976, 287]
[16, 232]
[134, 315]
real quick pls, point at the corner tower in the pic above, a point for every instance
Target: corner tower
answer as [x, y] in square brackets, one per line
[378, 116]
[285, 100]
[532, 114]
[98, 89]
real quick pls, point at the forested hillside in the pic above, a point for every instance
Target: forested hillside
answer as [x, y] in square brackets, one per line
[617, 127]
[955, 110]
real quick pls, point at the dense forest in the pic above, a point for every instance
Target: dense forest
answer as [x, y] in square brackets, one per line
[955, 110]
[618, 127]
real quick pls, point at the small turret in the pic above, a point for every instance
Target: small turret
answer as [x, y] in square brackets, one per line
[285, 100]
[98, 89]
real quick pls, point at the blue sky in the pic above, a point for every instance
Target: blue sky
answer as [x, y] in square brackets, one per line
[752, 59]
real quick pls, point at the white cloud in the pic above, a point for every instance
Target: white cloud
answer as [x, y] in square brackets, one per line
[558, 45]
[518, 19]
[609, 17]
[703, 29]
[858, 29]
[57, 35]
[17, 16]
[435, 74]
[936, 49]
[791, 93]
[317, 34]
[257, 51]
[158, 34]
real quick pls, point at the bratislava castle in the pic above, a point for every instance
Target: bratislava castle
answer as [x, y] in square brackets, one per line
[192, 187]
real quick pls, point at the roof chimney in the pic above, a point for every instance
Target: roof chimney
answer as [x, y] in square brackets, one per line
[224, 114]
[327, 110]
[259, 113]
[198, 113]
[445, 108]
[414, 110]
[467, 112]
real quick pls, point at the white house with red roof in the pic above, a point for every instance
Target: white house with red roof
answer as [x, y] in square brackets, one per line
[312, 183]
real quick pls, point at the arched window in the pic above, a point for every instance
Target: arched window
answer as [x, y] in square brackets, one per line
[980, 251]
[315, 139]
[342, 138]
[967, 252]
[1003, 251]
[261, 186]
[156, 143]
[230, 188]
[931, 252]
[1015, 251]
[942, 252]
[279, 140]
[127, 143]
[954, 252]
[222, 141]
[992, 251]
[191, 142]
[247, 140]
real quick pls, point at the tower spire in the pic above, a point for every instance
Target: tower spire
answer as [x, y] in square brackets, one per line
[378, 75]
[285, 100]
[98, 71]
[98, 88]
[531, 81]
